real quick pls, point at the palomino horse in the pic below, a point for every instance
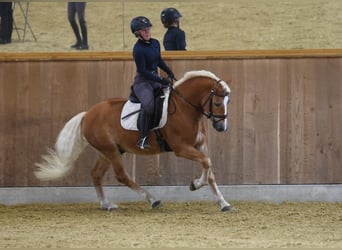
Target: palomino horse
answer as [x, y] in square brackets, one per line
[198, 95]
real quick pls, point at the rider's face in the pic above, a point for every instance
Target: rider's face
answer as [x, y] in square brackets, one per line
[146, 33]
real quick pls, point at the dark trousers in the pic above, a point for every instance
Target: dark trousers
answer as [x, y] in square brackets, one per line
[79, 9]
[6, 26]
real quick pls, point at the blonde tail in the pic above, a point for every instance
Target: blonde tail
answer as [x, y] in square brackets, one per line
[69, 145]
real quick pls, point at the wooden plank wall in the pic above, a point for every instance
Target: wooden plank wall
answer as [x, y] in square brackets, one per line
[285, 116]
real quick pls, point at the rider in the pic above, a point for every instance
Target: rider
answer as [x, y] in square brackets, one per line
[174, 38]
[147, 57]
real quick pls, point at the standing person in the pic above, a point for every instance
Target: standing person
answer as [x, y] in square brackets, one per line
[79, 8]
[147, 57]
[6, 26]
[174, 38]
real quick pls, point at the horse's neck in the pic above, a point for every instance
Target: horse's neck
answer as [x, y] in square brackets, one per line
[188, 103]
[193, 90]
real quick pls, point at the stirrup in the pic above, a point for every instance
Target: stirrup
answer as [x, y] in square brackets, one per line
[143, 144]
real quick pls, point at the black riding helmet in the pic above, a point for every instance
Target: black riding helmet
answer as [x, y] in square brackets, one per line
[169, 15]
[139, 23]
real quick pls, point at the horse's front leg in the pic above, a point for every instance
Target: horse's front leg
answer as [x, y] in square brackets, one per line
[225, 206]
[97, 174]
[206, 178]
[199, 182]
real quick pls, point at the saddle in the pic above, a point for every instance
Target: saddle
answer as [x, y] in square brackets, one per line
[131, 110]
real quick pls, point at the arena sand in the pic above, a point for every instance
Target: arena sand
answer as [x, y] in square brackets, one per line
[185, 224]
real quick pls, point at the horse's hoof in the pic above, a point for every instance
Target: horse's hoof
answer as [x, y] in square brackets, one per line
[227, 208]
[156, 204]
[192, 186]
[114, 207]
[110, 207]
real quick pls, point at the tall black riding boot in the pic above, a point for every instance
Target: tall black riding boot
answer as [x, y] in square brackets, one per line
[84, 32]
[77, 34]
[144, 130]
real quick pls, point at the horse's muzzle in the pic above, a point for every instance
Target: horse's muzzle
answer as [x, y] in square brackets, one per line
[221, 125]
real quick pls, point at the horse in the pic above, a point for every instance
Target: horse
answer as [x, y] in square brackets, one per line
[197, 95]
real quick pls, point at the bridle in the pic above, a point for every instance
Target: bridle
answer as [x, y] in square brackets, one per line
[209, 114]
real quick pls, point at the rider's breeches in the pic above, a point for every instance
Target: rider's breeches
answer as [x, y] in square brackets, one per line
[144, 90]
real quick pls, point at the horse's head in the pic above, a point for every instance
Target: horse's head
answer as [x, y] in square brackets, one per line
[217, 103]
[214, 105]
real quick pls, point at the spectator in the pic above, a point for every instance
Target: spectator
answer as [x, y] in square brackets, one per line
[6, 26]
[147, 57]
[79, 8]
[174, 38]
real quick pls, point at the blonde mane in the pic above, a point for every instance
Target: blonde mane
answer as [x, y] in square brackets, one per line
[195, 73]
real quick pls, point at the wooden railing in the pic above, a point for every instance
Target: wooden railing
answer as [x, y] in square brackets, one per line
[285, 115]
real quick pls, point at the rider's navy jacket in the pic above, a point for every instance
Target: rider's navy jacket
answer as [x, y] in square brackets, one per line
[147, 59]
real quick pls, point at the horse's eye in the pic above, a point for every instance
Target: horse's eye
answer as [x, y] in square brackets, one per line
[217, 104]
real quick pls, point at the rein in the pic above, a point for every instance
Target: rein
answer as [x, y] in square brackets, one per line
[210, 115]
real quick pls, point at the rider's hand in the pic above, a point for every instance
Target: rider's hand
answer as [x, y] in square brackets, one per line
[171, 75]
[165, 81]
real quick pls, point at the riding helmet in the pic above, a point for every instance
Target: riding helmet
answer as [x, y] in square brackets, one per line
[139, 23]
[169, 15]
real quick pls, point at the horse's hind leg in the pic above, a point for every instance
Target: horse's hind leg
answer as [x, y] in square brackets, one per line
[97, 174]
[122, 177]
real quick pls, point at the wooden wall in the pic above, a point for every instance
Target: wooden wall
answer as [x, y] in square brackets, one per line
[285, 115]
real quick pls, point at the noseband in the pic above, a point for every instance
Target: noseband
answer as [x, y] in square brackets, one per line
[209, 114]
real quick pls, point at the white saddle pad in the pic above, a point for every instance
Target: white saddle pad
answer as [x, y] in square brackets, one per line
[130, 122]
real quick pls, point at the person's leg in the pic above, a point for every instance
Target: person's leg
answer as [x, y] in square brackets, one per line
[74, 26]
[144, 92]
[80, 9]
[2, 4]
[10, 22]
[6, 22]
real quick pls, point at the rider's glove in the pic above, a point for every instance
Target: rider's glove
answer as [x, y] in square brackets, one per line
[165, 81]
[171, 75]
